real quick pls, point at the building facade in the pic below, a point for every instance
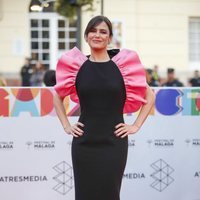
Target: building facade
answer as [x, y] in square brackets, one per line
[163, 32]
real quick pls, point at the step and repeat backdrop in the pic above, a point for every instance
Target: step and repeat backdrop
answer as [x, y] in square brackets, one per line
[35, 153]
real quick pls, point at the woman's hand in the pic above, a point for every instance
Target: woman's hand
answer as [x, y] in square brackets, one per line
[122, 130]
[74, 130]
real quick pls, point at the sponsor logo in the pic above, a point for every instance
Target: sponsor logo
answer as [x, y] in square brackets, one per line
[134, 175]
[29, 143]
[161, 143]
[187, 141]
[193, 142]
[6, 145]
[197, 174]
[131, 143]
[6, 179]
[41, 145]
[15, 101]
[63, 178]
[161, 175]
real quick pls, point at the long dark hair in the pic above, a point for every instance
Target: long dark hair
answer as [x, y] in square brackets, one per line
[95, 21]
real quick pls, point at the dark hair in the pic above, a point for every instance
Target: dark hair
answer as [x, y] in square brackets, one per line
[170, 70]
[49, 78]
[95, 21]
[149, 71]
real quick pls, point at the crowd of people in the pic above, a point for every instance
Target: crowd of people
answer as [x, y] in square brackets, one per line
[154, 79]
[37, 75]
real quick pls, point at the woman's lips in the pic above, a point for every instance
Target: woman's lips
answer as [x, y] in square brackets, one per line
[96, 41]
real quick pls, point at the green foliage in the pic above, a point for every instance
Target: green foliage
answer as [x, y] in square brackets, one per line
[65, 8]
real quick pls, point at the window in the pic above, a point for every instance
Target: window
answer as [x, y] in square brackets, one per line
[50, 33]
[194, 41]
[66, 35]
[50, 36]
[40, 44]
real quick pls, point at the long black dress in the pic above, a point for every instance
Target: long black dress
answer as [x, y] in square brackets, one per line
[99, 156]
[104, 90]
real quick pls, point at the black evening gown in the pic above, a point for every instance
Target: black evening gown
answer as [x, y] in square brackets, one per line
[99, 157]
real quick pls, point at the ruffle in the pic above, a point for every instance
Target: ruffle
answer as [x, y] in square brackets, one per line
[67, 68]
[128, 63]
[134, 77]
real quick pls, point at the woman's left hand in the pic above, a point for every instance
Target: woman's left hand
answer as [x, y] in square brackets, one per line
[122, 130]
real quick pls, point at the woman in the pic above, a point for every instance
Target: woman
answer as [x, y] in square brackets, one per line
[106, 84]
[37, 75]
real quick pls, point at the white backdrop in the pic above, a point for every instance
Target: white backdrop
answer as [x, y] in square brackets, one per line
[163, 160]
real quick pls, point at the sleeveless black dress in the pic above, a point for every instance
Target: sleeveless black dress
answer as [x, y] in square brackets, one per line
[99, 156]
[104, 90]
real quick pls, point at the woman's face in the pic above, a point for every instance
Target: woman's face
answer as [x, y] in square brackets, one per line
[38, 66]
[99, 37]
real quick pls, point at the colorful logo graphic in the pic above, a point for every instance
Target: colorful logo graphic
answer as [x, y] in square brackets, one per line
[38, 102]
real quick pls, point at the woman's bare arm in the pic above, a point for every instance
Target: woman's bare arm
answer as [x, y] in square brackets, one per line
[124, 129]
[60, 110]
[145, 110]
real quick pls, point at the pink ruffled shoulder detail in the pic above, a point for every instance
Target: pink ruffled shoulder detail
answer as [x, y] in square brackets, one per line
[133, 73]
[67, 68]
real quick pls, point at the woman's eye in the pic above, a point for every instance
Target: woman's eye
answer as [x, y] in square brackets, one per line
[93, 30]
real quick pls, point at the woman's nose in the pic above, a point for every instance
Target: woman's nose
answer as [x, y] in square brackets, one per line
[97, 34]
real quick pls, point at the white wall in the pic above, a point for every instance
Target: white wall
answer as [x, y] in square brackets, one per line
[14, 35]
[157, 29]
[163, 31]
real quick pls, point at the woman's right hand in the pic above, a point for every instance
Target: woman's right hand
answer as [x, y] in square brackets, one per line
[74, 130]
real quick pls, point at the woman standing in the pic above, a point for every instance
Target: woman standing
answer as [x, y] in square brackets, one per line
[106, 84]
[37, 75]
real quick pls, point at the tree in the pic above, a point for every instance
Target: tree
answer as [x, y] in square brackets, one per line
[68, 8]
[71, 8]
